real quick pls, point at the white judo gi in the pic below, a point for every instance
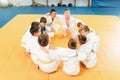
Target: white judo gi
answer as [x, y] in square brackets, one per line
[94, 40]
[50, 23]
[48, 62]
[70, 60]
[78, 33]
[87, 51]
[87, 56]
[71, 26]
[29, 41]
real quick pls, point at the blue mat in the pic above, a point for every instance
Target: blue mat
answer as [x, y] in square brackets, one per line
[7, 14]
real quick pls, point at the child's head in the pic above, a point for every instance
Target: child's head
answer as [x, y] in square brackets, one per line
[85, 30]
[53, 13]
[82, 39]
[43, 40]
[80, 26]
[34, 30]
[72, 44]
[43, 21]
[67, 13]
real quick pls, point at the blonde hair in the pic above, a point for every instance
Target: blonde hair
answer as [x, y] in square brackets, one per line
[86, 28]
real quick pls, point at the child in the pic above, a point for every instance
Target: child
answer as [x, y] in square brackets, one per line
[69, 23]
[69, 57]
[44, 29]
[44, 56]
[51, 17]
[85, 53]
[92, 38]
[30, 37]
[43, 24]
[80, 27]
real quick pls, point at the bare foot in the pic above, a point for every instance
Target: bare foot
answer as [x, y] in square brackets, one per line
[64, 35]
[37, 66]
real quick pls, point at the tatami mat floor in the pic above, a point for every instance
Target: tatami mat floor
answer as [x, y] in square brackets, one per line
[15, 64]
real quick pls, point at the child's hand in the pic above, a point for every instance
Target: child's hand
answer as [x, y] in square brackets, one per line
[52, 30]
[52, 47]
[64, 35]
[28, 53]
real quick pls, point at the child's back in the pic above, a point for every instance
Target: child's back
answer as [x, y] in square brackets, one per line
[71, 63]
[43, 56]
[29, 39]
[69, 57]
[85, 53]
[94, 40]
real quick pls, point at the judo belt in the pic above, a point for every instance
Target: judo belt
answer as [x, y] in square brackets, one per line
[92, 50]
[44, 62]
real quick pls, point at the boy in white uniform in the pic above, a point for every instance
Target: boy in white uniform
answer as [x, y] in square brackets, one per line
[69, 23]
[92, 38]
[69, 57]
[85, 53]
[44, 56]
[44, 29]
[80, 27]
[29, 39]
[51, 17]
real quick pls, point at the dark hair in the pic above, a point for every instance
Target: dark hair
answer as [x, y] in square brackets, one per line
[59, 4]
[82, 39]
[72, 44]
[43, 40]
[86, 28]
[52, 10]
[79, 23]
[66, 9]
[34, 27]
[70, 5]
[43, 19]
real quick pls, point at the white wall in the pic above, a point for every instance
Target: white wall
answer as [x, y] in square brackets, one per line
[41, 2]
[4, 3]
[81, 2]
[20, 2]
[55, 2]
